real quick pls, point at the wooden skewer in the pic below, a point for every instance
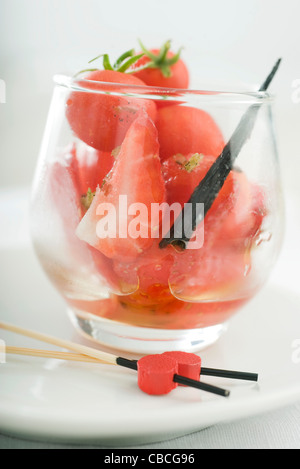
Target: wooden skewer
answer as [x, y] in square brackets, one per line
[82, 349]
[104, 356]
[30, 352]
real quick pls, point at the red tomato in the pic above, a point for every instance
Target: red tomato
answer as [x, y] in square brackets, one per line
[101, 119]
[154, 76]
[184, 130]
[136, 176]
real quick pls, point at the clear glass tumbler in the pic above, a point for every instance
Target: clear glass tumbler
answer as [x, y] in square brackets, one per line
[118, 164]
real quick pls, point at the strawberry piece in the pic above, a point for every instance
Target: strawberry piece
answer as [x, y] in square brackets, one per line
[183, 173]
[77, 169]
[136, 175]
[214, 271]
[93, 167]
[237, 212]
[87, 168]
[64, 194]
[189, 364]
[156, 373]
[243, 222]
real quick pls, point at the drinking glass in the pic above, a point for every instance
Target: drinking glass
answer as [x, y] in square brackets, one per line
[110, 153]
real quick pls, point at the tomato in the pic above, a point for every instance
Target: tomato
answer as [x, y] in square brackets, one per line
[101, 119]
[162, 68]
[135, 179]
[177, 75]
[184, 130]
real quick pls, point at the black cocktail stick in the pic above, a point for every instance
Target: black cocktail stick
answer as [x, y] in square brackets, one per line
[204, 371]
[206, 192]
[133, 365]
[200, 385]
[229, 374]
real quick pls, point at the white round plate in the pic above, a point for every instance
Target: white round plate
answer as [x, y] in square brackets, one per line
[47, 399]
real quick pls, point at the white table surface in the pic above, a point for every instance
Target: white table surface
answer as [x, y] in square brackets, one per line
[276, 429]
[279, 429]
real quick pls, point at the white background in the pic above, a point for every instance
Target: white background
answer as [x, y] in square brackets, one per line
[227, 42]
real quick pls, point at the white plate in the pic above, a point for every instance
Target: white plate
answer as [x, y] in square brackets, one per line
[62, 401]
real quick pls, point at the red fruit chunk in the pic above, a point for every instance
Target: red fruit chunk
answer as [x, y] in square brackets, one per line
[189, 364]
[244, 221]
[93, 166]
[155, 374]
[183, 173]
[178, 76]
[87, 168]
[184, 130]
[214, 271]
[63, 193]
[136, 175]
[101, 119]
[238, 210]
